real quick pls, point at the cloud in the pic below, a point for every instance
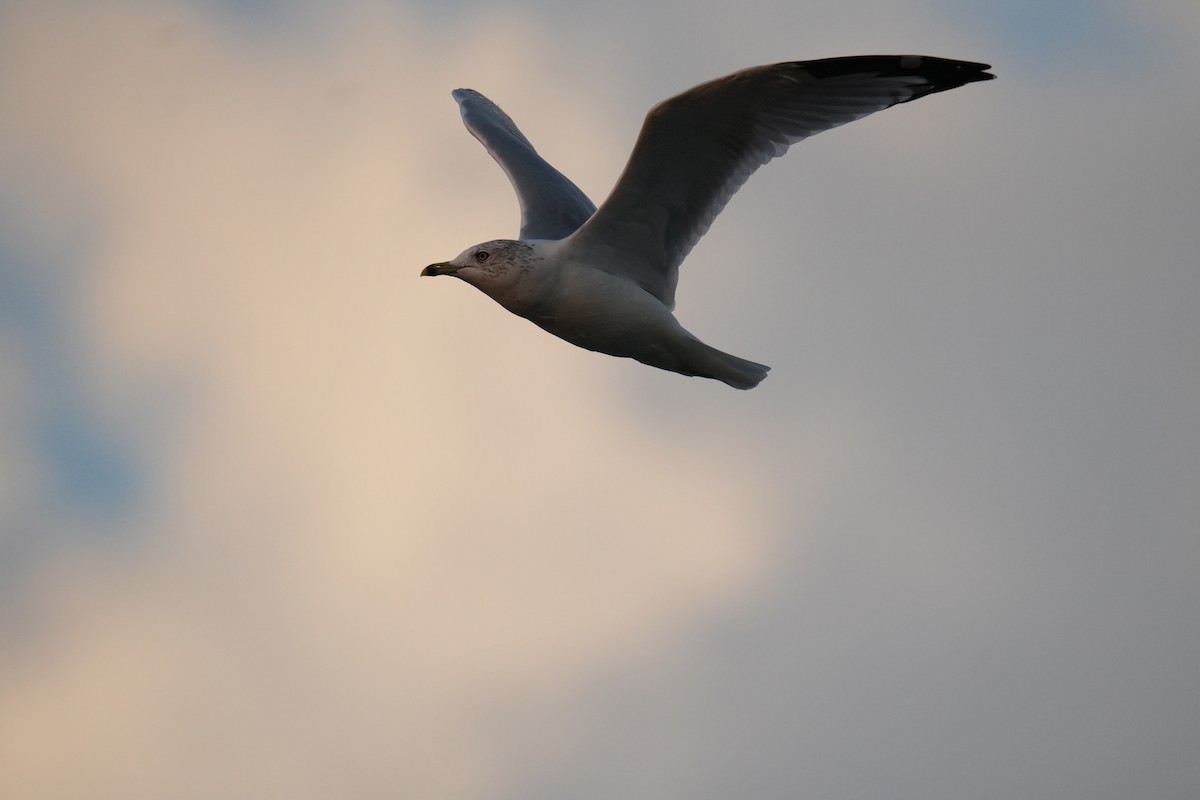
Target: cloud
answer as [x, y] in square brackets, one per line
[380, 538]
[350, 497]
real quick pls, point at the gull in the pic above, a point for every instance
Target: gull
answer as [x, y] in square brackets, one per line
[604, 278]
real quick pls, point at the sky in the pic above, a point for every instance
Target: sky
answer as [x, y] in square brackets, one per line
[279, 518]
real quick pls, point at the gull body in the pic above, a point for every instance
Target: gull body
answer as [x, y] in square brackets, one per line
[591, 308]
[604, 279]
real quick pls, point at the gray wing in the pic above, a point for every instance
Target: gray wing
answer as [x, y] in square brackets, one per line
[698, 148]
[551, 206]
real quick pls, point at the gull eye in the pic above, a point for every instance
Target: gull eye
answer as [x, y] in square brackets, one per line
[482, 256]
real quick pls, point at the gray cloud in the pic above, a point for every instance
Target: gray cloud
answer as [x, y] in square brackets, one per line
[391, 541]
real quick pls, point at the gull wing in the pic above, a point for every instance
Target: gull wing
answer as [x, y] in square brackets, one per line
[551, 206]
[696, 150]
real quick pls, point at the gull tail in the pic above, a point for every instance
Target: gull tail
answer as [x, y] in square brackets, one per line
[709, 362]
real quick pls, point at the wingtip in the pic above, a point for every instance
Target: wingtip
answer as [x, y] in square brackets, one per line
[975, 71]
[941, 73]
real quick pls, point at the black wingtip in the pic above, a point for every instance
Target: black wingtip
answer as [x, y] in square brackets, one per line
[956, 72]
[943, 73]
[939, 73]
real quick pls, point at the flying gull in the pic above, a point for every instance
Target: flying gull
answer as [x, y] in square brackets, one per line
[604, 279]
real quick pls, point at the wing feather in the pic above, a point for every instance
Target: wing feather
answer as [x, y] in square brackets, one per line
[552, 207]
[698, 148]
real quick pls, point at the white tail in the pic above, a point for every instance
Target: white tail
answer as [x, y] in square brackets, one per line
[709, 362]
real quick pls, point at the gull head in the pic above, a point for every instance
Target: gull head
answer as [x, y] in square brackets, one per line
[491, 267]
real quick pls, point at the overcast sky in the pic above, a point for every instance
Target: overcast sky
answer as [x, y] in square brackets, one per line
[279, 518]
